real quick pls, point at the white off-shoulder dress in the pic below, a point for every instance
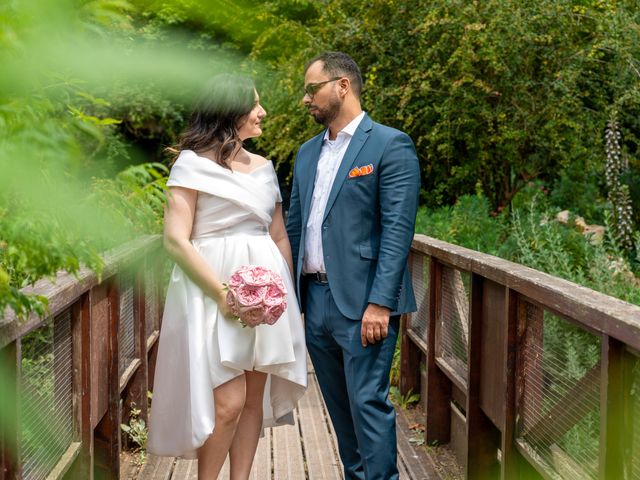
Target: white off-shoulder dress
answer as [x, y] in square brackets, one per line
[199, 348]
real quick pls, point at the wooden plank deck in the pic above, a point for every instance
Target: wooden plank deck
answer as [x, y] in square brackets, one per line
[304, 451]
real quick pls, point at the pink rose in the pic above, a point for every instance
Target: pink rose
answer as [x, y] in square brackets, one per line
[235, 280]
[273, 313]
[256, 276]
[248, 295]
[251, 316]
[274, 295]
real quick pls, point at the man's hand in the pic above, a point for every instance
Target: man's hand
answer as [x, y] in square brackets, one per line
[375, 324]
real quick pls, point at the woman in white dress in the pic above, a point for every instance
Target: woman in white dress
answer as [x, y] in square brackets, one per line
[217, 384]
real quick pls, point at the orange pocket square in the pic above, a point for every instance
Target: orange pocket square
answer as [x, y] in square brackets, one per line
[360, 171]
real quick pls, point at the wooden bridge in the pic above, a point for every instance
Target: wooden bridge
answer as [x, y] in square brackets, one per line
[306, 450]
[521, 375]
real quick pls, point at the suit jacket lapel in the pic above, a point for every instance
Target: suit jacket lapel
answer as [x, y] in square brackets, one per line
[312, 170]
[356, 143]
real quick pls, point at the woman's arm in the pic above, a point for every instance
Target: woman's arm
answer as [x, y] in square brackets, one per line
[178, 222]
[278, 233]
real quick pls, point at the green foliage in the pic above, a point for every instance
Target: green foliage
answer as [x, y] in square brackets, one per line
[84, 89]
[33, 246]
[469, 223]
[138, 433]
[492, 92]
[135, 197]
[538, 241]
[403, 401]
[394, 372]
[579, 189]
[530, 235]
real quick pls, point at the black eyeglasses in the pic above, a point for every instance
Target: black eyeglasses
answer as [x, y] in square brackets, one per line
[312, 88]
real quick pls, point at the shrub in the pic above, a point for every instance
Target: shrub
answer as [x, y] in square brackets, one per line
[496, 93]
[468, 223]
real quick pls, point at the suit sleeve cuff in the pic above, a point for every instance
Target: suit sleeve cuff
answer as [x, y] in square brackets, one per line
[390, 303]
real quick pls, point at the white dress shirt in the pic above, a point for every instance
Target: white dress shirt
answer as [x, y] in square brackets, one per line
[331, 156]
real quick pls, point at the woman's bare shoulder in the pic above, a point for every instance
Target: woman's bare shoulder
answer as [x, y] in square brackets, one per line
[257, 160]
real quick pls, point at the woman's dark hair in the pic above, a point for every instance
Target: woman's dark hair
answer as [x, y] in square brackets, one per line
[214, 122]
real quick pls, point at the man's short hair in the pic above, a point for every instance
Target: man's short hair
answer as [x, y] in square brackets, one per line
[340, 64]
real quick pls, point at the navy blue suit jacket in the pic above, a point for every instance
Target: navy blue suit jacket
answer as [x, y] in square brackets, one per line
[369, 220]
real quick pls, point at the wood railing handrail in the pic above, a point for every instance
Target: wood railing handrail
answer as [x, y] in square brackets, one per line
[65, 288]
[589, 308]
[487, 348]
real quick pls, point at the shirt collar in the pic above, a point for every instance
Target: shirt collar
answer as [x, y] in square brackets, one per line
[349, 129]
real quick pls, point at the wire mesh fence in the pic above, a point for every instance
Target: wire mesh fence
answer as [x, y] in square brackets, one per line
[46, 409]
[453, 320]
[126, 345]
[559, 397]
[420, 281]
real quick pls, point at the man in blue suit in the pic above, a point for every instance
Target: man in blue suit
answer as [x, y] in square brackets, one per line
[350, 223]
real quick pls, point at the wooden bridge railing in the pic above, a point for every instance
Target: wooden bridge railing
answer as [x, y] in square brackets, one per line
[524, 374]
[77, 372]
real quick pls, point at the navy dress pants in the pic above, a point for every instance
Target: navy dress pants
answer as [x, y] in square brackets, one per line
[354, 381]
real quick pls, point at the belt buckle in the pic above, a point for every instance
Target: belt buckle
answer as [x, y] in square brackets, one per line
[320, 277]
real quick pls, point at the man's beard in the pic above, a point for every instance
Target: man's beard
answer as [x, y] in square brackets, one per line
[325, 116]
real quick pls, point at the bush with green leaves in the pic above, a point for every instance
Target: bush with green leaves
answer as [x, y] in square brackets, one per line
[496, 92]
[531, 235]
[59, 209]
[469, 222]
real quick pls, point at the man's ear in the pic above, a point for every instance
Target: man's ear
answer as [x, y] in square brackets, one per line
[345, 85]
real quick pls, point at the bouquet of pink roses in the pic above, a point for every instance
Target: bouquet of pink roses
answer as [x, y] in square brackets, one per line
[256, 295]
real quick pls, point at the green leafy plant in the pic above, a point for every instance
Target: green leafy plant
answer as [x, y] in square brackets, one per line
[137, 432]
[403, 401]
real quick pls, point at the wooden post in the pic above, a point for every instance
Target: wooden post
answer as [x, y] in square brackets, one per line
[510, 456]
[482, 436]
[509, 464]
[615, 437]
[10, 463]
[438, 404]
[410, 354]
[529, 370]
[81, 332]
[107, 432]
[528, 336]
[138, 386]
